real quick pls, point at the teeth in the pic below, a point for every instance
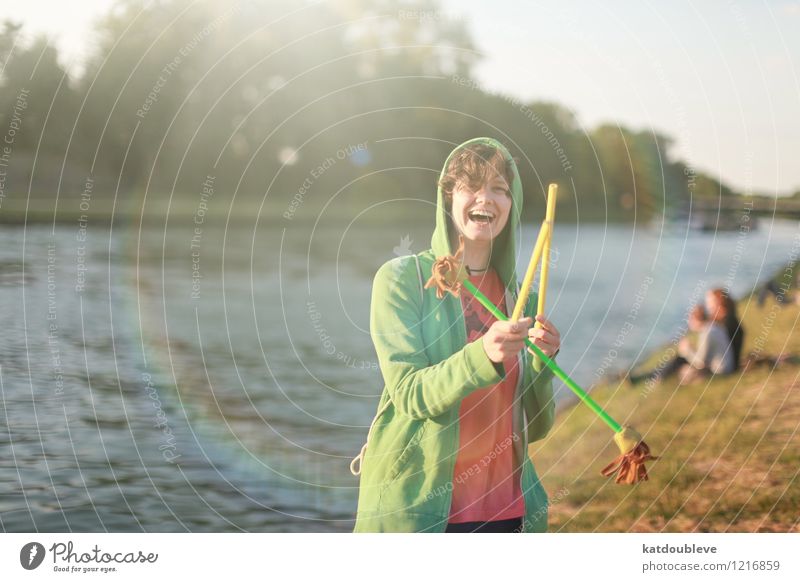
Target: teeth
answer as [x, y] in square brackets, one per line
[482, 213]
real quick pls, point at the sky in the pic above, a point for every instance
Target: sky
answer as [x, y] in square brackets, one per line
[722, 77]
[68, 23]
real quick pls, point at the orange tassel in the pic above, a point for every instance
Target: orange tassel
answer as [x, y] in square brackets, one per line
[629, 466]
[448, 272]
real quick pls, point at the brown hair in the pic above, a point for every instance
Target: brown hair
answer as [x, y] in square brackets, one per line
[727, 308]
[723, 304]
[474, 165]
[699, 313]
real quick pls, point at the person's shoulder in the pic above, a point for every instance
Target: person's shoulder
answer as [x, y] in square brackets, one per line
[399, 275]
[398, 283]
[404, 263]
[397, 265]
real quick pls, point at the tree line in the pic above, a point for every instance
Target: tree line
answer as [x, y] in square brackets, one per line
[347, 103]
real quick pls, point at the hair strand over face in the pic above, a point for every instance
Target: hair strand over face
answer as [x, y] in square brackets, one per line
[473, 166]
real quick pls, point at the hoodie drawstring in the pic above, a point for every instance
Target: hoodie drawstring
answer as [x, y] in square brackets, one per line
[355, 464]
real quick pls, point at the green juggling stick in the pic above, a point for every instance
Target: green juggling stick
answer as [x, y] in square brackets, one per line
[450, 275]
[580, 392]
[629, 466]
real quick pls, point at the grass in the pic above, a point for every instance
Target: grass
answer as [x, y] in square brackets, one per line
[728, 448]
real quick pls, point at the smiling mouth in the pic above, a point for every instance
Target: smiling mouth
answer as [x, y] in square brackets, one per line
[481, 216]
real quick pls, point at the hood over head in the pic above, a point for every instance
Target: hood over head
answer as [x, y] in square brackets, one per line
[504, 245]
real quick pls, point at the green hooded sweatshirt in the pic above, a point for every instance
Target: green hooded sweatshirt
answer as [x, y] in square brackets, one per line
[428, 367]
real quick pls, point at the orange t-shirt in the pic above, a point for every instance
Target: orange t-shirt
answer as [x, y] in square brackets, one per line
[484, 487]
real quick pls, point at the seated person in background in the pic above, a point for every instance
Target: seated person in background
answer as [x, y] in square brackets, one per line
[714, 354]
[770, 288]
[678, 364]
[783, 286]
[719, 299]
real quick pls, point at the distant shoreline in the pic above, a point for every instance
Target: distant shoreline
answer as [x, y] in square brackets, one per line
[182, 209]
[246, 215]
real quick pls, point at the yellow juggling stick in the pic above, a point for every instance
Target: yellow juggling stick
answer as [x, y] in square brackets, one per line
[542, 247]
[528, 280]
[550, 219]
[449, 275]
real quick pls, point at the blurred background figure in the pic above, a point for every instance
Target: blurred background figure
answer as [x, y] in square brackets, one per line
[697, 323]
[782, 294]
[722, 308]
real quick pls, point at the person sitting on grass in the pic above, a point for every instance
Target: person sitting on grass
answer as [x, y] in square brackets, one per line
[677, 365]
[777, 285]
[715, 354]
[719, 299]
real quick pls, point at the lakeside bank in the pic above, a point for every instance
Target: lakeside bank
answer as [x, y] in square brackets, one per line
[728, 449]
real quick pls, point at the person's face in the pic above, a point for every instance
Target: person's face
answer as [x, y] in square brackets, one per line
[695, 324]
[711, 302]
[713, 306]
[480, 216]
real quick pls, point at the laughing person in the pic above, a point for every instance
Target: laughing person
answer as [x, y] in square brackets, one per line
[447, 449]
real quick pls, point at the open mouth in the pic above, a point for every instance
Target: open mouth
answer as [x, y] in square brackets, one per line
[481, 216]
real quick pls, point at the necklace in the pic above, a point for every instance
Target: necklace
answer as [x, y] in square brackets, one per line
[471, 270]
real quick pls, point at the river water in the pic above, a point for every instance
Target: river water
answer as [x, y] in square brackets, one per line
[213, 378]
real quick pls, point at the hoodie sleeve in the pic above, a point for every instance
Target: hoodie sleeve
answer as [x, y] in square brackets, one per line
[417, 387]
[538, 399]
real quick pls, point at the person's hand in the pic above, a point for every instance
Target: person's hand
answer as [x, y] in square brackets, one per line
[505, 339]
[547, 338]
[684, 346]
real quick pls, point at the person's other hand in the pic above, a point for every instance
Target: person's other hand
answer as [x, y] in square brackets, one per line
[505, 339]
[547, 338]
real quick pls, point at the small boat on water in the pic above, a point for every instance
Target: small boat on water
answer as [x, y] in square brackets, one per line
[703, 221]
[722, 222]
